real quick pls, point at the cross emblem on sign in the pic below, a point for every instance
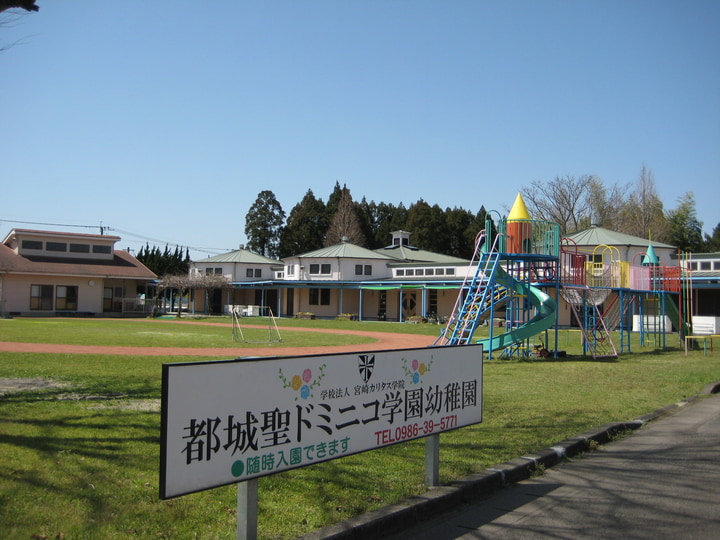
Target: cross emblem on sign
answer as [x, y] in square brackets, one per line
[366, 364]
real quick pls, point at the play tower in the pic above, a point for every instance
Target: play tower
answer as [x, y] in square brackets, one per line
[516, 272]
[523, 268]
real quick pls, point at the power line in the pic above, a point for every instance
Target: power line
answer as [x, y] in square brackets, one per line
[50, 224]
[103, 228]
[211, 251]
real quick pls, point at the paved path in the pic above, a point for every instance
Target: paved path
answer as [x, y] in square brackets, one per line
[660, 482]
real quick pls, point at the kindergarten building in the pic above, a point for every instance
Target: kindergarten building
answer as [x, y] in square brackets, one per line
[394, 283]
[44, 273]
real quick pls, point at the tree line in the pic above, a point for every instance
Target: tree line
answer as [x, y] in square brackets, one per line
[165, 262]
[313, 224]
[575, 203]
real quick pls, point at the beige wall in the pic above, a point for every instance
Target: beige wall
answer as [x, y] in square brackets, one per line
[16, 292]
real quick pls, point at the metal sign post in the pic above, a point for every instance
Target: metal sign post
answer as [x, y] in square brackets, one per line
[432, 460]
[247, 509]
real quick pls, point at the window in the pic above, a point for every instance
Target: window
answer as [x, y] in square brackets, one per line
[409, 272]
[258, 272]
[56, 246]
[107, 299]
[439, 271]
[432, 301]
[449, 271]
[213, 271]
[358, 269]
[705, 265]
[368, 270]
[399, 272]
[32, 244]
[316, 268]
[253, 272]
[101, 249]
[249, 272]
[41, 297]
[419, 272]
[79, 248]
[429, 271]
[319, 297]
[291, 269]
[66, 298]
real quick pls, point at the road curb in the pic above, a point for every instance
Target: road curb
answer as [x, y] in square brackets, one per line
[400, 516]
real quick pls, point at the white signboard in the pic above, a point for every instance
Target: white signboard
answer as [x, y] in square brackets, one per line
[230, 421]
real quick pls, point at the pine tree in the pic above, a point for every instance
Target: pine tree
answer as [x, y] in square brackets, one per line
[305, 227]
[685, 229]
[263, 224]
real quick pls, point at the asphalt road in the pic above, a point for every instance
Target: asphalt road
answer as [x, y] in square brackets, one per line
[660, 482]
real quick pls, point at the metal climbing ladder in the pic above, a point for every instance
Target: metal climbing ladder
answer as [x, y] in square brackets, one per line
[585, 303]
[482, 296]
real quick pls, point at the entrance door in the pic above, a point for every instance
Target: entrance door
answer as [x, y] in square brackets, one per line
[289, 302]
[409, 304]
[215, 301]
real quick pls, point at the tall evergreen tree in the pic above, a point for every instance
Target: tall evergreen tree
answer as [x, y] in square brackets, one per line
[685, 229]
[334, 200]
[460, 240]
[365, 212]
[166, 262]
[712, 243]
[305, 227]
[428, 227]
[263, 223]
[388, 218]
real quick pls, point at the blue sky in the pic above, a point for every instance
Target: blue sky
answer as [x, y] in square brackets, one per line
[165, 119]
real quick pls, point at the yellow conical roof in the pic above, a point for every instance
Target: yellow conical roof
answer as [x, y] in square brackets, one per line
[518, 210]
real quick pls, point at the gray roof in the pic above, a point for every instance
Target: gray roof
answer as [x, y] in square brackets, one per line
[344, 250]
[238, 256]
[410, 254]
[599, 236]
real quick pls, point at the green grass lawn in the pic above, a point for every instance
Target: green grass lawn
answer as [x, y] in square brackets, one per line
[162, 333]
[82, 461]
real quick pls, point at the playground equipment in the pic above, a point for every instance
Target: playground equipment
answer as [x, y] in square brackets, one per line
[525, 269]
[508, 275]
[273, 330]
[607, 295]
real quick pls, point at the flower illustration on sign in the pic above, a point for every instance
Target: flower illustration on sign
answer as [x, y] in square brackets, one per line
[303, 383]
[416, 369]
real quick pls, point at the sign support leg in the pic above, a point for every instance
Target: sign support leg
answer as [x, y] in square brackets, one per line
[432, 460]
[247, 509]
